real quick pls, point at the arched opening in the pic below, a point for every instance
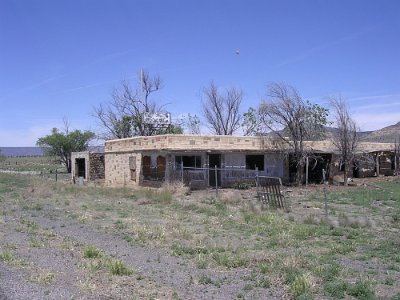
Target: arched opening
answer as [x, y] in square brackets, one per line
[161, 162]
[146, 167]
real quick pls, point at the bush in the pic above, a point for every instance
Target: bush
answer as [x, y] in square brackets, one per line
[300, 286]
[361, 290]
[242, 185]
[336, 289]
[91, 252]
[118, 267]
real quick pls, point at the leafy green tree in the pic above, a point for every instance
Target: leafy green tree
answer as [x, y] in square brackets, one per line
[62, 144]
[252, 124]
[172, 129]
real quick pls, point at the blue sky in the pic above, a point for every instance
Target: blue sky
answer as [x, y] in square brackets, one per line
[61, 58]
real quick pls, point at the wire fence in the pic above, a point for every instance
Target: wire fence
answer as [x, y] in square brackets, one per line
[201, 177]
[44, 174]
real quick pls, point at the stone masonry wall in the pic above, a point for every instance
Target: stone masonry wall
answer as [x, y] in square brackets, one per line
[221, 143]
[118, 171]
[192, 142]
[96, 166]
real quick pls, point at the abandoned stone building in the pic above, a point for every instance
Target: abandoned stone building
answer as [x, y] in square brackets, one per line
[202, 161]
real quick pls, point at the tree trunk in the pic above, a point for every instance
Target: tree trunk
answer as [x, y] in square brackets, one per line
[68, 165]
[300, 174]
[345, 177]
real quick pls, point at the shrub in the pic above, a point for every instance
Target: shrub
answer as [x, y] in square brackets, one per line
[336, 289]
[7, 257]
[204, 279]
[300, 286]
[230, 261]
[91, 252]
[242, 185]
[361, 290]
[118, 267]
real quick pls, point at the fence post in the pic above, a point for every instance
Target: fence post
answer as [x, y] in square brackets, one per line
[56, 175]
[325, 197]
[182, 171]
[307, 163]
[216, 181]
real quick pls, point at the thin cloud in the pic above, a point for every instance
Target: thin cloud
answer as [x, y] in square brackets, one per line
[374, 97]
[83, 87]
[319, 48]
[377, 106]
[88, 86]
[51, 79]
[32, 87]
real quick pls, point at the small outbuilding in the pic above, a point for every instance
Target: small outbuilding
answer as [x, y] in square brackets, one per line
[87, 165]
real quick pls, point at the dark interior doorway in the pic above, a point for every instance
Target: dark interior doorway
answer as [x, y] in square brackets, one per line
[214, 160]
[316, 164]
[80, 167]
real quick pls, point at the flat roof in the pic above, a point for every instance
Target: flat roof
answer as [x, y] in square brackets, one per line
[182, 142]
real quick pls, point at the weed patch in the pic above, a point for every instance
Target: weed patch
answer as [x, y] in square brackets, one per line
[91, 252]
[118, 267]
[361, 290]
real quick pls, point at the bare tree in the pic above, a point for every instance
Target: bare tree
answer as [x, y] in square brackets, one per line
[292, 120]
[192, 124]
[222, 111]
[345, 139]
[123, 115]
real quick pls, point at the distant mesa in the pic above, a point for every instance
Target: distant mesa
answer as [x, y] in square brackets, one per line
[35, 151]
[385, 135]
[21, 151]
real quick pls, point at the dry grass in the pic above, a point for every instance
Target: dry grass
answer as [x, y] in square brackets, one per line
[177, 188]
[300, 255]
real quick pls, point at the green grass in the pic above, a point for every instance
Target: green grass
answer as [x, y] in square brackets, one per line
[7, 257]
[42, 278]
[336, 289]
[230, 261]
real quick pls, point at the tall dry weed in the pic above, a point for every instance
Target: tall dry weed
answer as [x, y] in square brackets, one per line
[177, 188]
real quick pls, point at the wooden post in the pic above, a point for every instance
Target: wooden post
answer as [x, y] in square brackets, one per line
[377, 164]
[325, 196]
[306, 171]
[216, 181]
[56, 175]
[182, 171]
